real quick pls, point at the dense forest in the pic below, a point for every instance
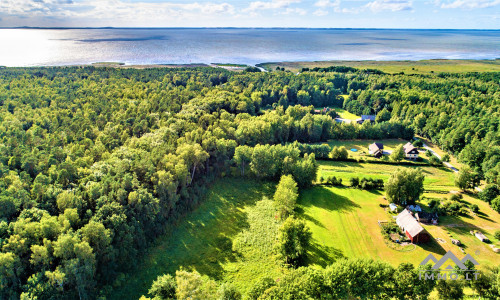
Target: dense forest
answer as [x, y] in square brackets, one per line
[95, 163]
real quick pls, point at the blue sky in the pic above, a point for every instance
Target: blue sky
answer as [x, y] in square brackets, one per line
[473, 14]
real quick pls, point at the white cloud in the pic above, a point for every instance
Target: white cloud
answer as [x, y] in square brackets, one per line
[113, 9]
[327, 3]
[274, 4]
[391, 5]
[320, 13]
[297, 11]
[470, 4]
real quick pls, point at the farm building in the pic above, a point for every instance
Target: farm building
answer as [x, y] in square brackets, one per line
[413, 230]
[481, 237]
[376, 149]
[411, 151]
[363, 118]
[427, 218]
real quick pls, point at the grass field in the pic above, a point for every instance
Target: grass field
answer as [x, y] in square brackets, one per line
[232, 213]
[436, 179]
[344, 114]
[344, 224]
[230, 236]
[362, 147]
[408, 67]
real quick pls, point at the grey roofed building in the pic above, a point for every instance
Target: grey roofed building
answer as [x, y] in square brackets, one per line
[363, 118]
[413, 230]
[376, 149]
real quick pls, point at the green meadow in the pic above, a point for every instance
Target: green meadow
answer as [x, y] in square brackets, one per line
[230, 236]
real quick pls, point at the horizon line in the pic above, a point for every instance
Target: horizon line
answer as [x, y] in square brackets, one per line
[245, 27]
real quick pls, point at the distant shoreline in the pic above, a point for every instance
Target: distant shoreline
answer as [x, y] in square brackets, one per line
[257, 28]
[388, 66]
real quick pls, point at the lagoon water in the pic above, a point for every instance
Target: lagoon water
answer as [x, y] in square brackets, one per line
[48, 47]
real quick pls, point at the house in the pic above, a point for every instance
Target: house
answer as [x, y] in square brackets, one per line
[411, 151]
[376, 149]
[370, 118]
[413, 230]
[482, 237]
[427, 218]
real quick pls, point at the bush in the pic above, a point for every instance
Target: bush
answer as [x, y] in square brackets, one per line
[495, 204]
[260, 287]
[490, 192]
[497, 235]
[456, 197]
[354, 182]
[446, 157]
[163, 287]
[371, 184]
[453, 208]
[474, 208]
[434, 204]
[418, 143]
[334, 181]
[433, 160]
[339, 153]
[228, 292]
[390, 227]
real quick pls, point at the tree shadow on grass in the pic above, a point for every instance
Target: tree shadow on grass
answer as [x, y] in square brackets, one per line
[326, 199]
[311, 219]
[322, 255]
[433, 246]
[338, 163]
[202, 240]
[484, 216]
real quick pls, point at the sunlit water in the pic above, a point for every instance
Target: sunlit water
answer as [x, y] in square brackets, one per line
[36, 47]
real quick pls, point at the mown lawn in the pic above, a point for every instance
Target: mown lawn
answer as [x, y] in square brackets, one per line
[344, 114]
[362, 146]
[344, 224]
[230, 236]
[436, 179]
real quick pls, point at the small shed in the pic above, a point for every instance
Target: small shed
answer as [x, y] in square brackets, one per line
[413, 230]
[427, 218]
[393, 207]
[481, 237]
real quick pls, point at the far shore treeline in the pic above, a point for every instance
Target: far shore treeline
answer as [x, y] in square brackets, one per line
[97, 162]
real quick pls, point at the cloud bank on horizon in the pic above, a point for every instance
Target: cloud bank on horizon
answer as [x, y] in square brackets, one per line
[475, 14]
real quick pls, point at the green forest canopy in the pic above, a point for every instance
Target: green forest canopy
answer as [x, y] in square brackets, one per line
[95, 163]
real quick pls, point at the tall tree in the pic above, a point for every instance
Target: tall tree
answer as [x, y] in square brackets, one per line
[405, 186]
[294, 238]
[286, 196]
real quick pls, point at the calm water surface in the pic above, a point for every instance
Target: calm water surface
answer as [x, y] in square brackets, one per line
[37, 47]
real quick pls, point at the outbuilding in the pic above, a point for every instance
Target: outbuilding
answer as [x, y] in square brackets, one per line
[412, 229]
[481, 237]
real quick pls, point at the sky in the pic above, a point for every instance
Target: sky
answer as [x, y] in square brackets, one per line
[434, 14]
